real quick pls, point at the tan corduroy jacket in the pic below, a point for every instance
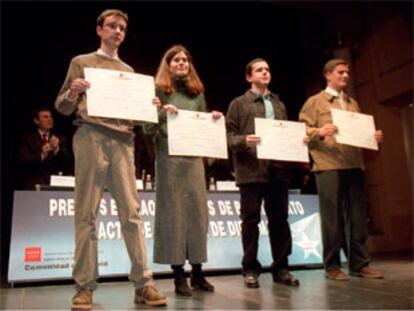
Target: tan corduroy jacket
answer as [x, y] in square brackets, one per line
[326, 153]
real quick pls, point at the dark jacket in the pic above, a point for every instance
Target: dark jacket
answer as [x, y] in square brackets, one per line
[240, 123]
[35, 171]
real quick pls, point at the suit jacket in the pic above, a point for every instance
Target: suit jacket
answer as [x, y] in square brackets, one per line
[34, 170]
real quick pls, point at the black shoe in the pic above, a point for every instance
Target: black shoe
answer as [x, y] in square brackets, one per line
[200, 283]
[181, 287]
[251, 280]
[284, 277]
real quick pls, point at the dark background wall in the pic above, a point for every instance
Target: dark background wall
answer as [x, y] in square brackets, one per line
[38, 39]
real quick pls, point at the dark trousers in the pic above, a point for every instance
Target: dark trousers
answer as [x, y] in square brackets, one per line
[275, 195]
[343, 217]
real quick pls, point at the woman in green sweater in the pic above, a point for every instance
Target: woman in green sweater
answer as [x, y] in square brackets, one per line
[181, 217]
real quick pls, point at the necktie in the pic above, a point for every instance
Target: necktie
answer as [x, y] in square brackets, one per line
[268, 108]
[342, 101]
[44, 139]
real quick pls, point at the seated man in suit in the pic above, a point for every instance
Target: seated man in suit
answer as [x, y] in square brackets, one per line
[41, 153]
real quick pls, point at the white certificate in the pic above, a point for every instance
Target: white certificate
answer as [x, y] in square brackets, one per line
[193, 133]
[281, 140]
[120, 95]
[354, 129]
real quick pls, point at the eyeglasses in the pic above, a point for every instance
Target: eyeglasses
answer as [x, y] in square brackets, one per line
[115, 26]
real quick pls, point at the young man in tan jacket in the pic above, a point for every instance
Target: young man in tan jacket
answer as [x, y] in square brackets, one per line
[339, 178]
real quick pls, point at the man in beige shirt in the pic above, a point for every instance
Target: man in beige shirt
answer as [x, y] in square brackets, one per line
[339, 178]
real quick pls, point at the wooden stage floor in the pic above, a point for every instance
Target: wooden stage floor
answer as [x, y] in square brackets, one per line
[395, 292]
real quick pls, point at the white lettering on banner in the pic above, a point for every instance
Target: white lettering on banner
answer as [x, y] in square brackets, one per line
[228, 207]
[103, 209]
[225, 207]
[52, 207]
[65, 207]
[237, 207]
[234, 227]
[61, 207]
[218, 229]
[114, 210]
[211, 208]
[147, 208]
[296, 208]
[147, 230]
[110, 230]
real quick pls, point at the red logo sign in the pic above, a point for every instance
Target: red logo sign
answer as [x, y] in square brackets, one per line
[33, 254]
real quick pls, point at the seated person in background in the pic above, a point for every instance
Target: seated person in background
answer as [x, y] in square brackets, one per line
[42, 152]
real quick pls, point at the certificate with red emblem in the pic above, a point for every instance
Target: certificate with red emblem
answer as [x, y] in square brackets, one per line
[120, 95]
[281, 140]
[197, 134]
[354, 129]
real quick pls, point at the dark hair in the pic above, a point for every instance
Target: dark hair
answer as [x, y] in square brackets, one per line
[37, 110]
[101, 18]
[330, 65]
[165, 82]
[249, 66]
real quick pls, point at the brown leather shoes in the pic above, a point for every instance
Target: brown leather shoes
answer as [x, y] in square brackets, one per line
[336, 275]
[367, 272]
[150, 296]
[82, 299]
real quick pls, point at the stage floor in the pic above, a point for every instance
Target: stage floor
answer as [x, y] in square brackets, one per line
[396, 291]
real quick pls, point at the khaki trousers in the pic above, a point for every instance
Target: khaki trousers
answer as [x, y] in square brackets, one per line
[104, 157]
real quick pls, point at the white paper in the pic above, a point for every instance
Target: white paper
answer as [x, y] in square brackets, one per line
[281, 140]
[139, 183]
[120, 95]
[193, 133]
[69, 181]
[354, 129]
[62, 181]
[226, 185]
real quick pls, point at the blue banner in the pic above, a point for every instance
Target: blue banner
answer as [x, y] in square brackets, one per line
[42, 240]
